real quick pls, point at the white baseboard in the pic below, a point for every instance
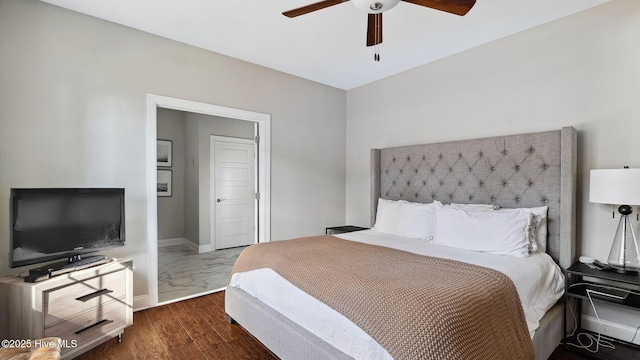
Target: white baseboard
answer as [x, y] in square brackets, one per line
[611, 329]
[191, 245]
[205, 248]
[195, 247]
[140, 302]
[171, 242]
[185, 242]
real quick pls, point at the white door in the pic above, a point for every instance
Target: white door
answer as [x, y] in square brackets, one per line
[233, 192]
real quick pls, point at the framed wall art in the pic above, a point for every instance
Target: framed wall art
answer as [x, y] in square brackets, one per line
[164, 153]
[164, 182]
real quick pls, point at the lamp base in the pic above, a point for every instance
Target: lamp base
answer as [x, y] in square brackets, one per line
[624, 255]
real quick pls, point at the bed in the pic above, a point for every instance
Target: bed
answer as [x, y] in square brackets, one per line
[516, 171]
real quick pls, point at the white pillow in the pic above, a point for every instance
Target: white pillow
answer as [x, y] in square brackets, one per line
[539, 242]
[540, 214]
[495, 232]
[477, 207]
[404, 218]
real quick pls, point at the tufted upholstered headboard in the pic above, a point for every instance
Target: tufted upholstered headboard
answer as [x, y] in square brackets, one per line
[525, 170]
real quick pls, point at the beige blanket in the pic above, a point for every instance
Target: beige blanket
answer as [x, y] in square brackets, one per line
[416, 307]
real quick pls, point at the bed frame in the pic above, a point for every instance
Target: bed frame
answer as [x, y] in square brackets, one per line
[525, 170]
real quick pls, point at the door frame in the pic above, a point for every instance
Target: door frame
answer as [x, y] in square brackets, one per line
[212, 184]
[264, 176]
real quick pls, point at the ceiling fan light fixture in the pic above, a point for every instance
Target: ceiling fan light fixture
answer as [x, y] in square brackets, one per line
[374, 6]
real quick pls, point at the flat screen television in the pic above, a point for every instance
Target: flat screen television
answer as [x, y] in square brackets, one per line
[56, 223]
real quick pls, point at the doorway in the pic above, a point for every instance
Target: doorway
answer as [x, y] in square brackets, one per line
[262, 215]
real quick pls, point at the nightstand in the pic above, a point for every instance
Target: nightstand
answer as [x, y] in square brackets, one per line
[578, 287]
[343, 229]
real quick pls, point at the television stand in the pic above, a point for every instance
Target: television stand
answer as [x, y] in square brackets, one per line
[84, 308]
[72, 264]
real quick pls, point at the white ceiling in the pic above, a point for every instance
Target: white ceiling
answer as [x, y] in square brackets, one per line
[327, 46]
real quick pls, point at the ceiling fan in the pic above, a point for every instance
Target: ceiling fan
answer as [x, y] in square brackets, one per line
[375, 8]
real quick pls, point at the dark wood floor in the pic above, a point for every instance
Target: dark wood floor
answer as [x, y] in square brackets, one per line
[194, 329]
[561, 354]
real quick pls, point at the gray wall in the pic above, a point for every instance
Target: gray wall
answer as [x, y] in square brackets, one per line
[190, 133]
[207, 126]
[192, 183]
[73, 113]
[582, 70]
[171, 126]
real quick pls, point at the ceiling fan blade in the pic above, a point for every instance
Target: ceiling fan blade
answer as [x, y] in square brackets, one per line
[458, 7]
[312, 7]
[374, 29]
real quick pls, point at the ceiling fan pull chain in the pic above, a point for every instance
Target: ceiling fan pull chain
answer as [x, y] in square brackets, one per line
[376, 56]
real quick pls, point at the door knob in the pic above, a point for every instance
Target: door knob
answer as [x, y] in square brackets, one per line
[219, 200]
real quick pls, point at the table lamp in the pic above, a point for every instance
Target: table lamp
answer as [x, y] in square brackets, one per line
[619, 187]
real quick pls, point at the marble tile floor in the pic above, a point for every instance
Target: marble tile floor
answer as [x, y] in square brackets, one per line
[183, 272]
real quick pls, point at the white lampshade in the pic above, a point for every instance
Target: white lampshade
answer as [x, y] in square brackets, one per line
[615, 186]
[374, 6]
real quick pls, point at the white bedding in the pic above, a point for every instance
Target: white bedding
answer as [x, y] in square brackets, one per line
[538, 280]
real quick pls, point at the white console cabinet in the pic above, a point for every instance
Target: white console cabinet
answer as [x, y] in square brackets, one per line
[85, 307]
